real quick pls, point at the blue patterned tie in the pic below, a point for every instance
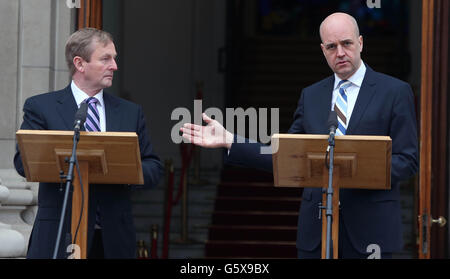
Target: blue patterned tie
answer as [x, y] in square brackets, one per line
[92, 124]
[340, 107]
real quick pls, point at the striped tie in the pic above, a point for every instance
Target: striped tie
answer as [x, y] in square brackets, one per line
[92, 124]
[341, 107]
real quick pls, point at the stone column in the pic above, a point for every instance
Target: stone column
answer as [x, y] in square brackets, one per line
[33, 35]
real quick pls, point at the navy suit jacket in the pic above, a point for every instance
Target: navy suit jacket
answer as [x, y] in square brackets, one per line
[385, 106]
[56, 111]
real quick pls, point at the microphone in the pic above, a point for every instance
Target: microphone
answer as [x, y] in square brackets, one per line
[80, 117]
[332, 126]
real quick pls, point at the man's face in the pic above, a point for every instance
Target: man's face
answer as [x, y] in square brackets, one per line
[342, 48]
[99, 71]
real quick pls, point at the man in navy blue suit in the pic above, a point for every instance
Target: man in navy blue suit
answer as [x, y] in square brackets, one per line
[367, 103]
[90, 55]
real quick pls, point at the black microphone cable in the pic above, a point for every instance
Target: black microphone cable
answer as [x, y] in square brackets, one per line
[82, 200]
[83, 112]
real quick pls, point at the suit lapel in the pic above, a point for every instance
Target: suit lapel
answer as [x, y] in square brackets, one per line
[321, 104]
[325, 97]
[112, 113]
[67, 107]
[365, 95]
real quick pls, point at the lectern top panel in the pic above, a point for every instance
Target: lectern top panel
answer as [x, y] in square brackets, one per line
[113, 157]
[364, 161]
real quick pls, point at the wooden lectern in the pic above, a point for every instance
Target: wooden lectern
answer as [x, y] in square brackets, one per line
[103, 157]
[362, 162]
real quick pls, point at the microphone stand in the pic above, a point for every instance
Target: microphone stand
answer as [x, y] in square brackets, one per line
[69, 179]
[329, 207]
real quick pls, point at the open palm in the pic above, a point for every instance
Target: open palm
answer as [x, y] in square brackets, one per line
[213, 135]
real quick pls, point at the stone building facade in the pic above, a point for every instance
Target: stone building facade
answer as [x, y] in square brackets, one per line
[32, 57]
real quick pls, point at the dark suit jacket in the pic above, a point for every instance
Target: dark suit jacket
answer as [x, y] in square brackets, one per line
[56, 111]
[385, 106]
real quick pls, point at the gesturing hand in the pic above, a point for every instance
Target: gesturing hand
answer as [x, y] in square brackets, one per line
[213, 135]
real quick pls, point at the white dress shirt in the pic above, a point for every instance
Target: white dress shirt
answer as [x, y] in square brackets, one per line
[352, 91]
[80, 96]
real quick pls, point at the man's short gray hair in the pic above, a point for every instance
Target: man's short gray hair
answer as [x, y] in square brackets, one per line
[80, 44]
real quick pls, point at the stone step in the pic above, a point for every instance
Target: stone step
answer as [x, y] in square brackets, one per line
[198, 211]
[193, 248]
[177, 249]
[158, 196]
[149, 209]
[193, 223]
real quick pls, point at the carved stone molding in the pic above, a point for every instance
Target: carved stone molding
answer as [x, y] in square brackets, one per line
[18, 200]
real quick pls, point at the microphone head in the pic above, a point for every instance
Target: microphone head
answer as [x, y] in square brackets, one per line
[80, 115]
[332, 120]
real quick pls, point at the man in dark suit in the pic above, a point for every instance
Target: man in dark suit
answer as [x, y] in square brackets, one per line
[90, 54]
[367, 103]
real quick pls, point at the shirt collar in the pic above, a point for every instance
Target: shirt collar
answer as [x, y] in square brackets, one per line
[356, 79]
[80, 95]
